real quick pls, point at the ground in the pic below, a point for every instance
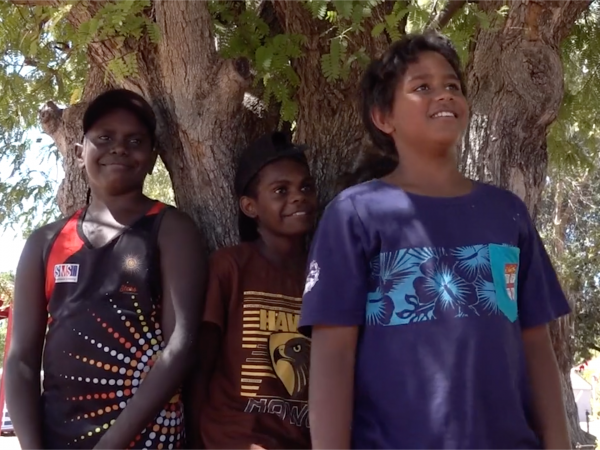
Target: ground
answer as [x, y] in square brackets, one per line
[9, 443]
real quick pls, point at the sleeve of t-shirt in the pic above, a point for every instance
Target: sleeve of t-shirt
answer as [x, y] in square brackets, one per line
[336, 287]
[218, 293]
[540, 296]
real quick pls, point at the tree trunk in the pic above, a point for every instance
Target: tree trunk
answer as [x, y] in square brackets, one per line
[65, 128]
[203, 119]
[515, 82]
[329, 118]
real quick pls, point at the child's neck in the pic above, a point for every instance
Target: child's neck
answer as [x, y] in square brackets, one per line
[430, 175]
[122, 206]
[288, 253]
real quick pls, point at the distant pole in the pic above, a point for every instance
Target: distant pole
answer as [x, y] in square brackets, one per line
[6, 345]
[587, 420]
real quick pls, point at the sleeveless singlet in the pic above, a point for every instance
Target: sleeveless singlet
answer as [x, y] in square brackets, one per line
[104, 333]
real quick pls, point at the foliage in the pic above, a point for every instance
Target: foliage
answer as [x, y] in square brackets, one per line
[571, 218]
[36, 65]
[158, 185]
[44, 58]
[569, 224]
[7, 280]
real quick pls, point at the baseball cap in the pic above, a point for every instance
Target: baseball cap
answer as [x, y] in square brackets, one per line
[269, 148]
[120, 99]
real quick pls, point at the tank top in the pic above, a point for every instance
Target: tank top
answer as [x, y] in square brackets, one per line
[104, 333]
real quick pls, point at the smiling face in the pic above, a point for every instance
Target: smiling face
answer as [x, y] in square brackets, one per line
[429, 109]
[284, 202]
[117, 153]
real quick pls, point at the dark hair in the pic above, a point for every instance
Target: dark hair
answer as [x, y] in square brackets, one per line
[378, 87]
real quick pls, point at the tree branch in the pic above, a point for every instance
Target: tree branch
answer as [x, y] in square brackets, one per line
[34, 2]
[64, 126]
[438, 21]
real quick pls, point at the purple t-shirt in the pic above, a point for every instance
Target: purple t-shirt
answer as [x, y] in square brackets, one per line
[441, 288]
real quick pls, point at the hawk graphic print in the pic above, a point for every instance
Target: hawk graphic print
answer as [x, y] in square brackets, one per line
[424, 284]
[274, 376]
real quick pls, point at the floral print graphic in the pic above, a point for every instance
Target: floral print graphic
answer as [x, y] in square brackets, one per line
[416, 285]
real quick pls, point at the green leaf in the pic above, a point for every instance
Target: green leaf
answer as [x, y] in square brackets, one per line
[344, 8]
[318, 8]
[33, 48]
[378, 29]
[484, 20]
[263, 58]
[75, 96]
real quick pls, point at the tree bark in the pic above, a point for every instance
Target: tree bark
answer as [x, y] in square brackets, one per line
[329, 120]
[203, 116]
[65, 128]
[515, 82]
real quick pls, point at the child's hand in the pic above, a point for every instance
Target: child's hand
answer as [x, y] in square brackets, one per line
[256, 447]
[548, 407]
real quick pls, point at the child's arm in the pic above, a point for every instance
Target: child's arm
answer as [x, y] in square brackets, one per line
[183, 269]
[549, 410]
[540, 301]
[331, 396]
[197, 395]
[24, 359]
[333, 309]
[221, 280]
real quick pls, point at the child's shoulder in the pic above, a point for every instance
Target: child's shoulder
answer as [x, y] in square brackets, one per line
[45, 234]
[365, 191]
[500, 197]
[232, 258]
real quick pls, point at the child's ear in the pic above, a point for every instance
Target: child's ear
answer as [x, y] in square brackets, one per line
[79, 154]
[381, 120]
[248, 206]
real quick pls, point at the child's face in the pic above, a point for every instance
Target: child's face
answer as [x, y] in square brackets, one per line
[117, 153]
[429, 110]
[286, 199]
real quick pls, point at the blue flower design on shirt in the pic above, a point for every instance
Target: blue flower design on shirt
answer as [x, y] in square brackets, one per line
[415, 285]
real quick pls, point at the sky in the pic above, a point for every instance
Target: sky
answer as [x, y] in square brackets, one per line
[11, 240]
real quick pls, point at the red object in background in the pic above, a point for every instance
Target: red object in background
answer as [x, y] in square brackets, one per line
[3, 310]
[6, 345]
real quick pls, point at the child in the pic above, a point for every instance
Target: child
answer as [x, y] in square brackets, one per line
[258, 380]
[119, 285]
[428, 294]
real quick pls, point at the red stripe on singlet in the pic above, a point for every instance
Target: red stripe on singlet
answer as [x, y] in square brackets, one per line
[158, 206]
[66, 245]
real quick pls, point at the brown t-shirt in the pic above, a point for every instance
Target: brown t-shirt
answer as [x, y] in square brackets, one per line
[259, 390]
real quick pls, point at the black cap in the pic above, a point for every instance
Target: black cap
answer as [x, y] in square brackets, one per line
[263, 151]
[120, 99]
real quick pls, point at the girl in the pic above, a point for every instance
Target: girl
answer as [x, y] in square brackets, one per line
[257, 362]
[429, 294]
[119, 285]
